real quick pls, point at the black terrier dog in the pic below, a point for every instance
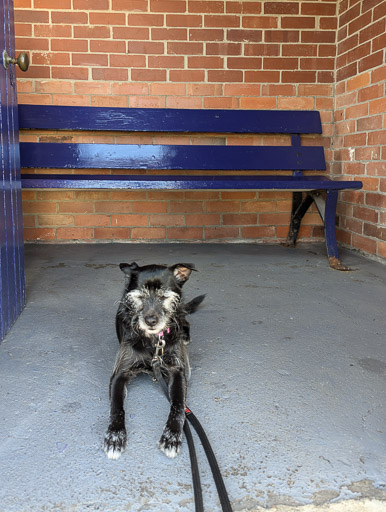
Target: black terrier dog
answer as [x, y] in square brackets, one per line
[151, 320]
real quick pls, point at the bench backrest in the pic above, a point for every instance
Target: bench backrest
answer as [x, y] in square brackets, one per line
[165, 156]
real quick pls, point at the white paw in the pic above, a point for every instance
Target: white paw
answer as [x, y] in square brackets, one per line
[114, 444]
[170, 443]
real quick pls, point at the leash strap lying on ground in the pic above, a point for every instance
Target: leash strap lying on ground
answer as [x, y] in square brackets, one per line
[221, 489]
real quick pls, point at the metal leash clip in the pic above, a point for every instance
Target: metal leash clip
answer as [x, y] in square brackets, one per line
[159, 348]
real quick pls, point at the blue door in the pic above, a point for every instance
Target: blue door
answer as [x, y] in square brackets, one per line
[12, 284]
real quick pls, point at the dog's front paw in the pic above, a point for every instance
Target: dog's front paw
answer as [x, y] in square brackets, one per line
[170, 442]
[115, 443]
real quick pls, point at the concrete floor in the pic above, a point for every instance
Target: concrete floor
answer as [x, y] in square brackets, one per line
[289, 381]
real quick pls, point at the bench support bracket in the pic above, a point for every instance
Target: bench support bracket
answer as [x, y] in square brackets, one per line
[327, 211]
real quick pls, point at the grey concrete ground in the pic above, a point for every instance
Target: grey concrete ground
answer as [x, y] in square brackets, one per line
[289, 381]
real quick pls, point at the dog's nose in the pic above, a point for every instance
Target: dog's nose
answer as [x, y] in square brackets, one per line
[151, 320]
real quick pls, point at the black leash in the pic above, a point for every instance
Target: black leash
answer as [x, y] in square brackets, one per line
[220, 485]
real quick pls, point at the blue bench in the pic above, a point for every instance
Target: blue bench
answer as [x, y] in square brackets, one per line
[202, 160]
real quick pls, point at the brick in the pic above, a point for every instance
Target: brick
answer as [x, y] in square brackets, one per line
[150, 207]
[258, 206]
[107, 18]
[167, 62]
[244, 63]
[127, 61]
[318, 9]
[148, 233]
[260, 22]
[91, 5]
[74, 45]
[145, 20]
[187, 75]
[299, 50]
[91, 220]
[168, 34]
[225, 76]
[148, 75]
[372, 31]
[106, 233]
[89, 59]
[55, 220]
[167, 6]
[298, 77]
[221, 233]
[222, 21]
[370, 123]
[189, 48]
[243, 7]
[372, 61]
[377, 106]
[300, 22]
[130, 220]
[296, 103]
[280, 63]
[110, 74]
[32, 16]
[329, 23]
[183, 20]
[168, 89]
[145, 47]
[200, 6]
[202, 219]
[183, 102]
[317, 63]
[30, 42]
[52, 30]
[185, 233]
[110, 47]
[283, 36]
[318, 36]
[364, 244]
[258, 232]
[223, 49]
[23, 29]
[140, 33]
[39, 233]
[133, 5]
[358, 82]
[281, 8]
[72, 18]
[206, 34]
[206, 62]
[262, 76]
[92, 32]
[269, 50]
[166, 220]
[239, 219]
[244, 35]
[109, 101]
[50, 59]
[69, 73]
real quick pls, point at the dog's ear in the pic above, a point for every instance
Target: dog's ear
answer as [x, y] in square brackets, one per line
[128, 268]
[182, 271]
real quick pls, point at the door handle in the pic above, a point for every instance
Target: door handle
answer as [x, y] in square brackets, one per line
[22, 61]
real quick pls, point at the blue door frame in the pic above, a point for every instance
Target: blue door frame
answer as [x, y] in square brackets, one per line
[12, 283]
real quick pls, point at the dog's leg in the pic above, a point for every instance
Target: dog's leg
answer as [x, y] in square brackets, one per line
[171, 439]
[115, 437]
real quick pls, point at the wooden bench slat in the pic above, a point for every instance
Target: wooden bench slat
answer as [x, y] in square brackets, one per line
[185, 182]
[116, 156]
[52, 117]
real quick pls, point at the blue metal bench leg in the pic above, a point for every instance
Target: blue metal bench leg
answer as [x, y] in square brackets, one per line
[329, 229]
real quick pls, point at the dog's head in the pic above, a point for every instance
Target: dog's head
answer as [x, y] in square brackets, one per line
[153, 294]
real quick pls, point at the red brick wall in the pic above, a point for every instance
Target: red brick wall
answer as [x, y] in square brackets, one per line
[177, 53]
[360, 142]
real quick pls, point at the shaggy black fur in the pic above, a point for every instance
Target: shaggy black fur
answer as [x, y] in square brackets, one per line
[151, 309]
